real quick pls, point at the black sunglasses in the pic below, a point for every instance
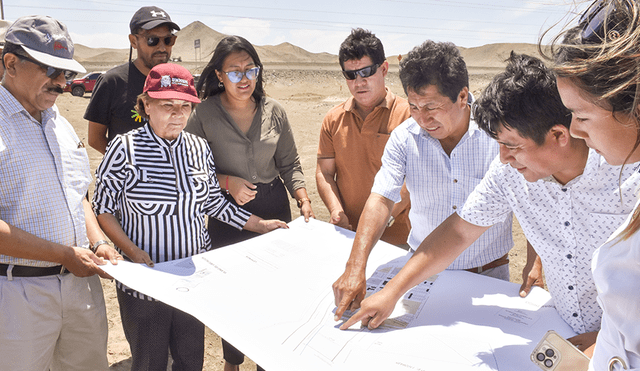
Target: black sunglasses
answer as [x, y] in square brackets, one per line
[52, 72]
[155, 40]
[596, 18]
[363, 72]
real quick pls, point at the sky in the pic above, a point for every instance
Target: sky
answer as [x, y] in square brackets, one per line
[320, 25]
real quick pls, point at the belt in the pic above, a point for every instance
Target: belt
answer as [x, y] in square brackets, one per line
[496, 263]
[27, 271]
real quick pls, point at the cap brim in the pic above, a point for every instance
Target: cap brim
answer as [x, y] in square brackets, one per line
[173, 95]
[160, 22]
[56, 62]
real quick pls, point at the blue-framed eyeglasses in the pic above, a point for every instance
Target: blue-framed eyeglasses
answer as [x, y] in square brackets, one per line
[52, 72]
[236, 76]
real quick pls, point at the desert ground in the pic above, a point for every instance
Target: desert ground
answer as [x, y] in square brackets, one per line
[307, 93]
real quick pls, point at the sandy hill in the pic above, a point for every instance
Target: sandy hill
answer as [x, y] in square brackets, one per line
[209, 38]
[491, 55]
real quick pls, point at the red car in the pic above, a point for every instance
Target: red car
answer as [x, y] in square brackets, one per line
[78, 87]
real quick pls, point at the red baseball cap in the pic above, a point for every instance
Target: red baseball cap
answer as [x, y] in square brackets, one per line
[171, 81]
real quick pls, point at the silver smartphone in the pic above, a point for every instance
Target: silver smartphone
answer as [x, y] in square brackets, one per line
[555, 353]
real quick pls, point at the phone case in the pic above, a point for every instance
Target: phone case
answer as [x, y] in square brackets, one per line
[555, 353]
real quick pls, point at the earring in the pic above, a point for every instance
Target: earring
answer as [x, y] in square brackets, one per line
[221, 85]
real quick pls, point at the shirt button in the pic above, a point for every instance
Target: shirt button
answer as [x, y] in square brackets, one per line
[569, 256]
[253, 177]
[564, 189]
[575, 314]
[455, 180]
[566, 224]
[455, 207]
[570, 287]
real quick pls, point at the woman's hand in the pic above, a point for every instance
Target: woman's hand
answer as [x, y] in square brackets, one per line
[140, 256]
[259, 225]
[241, 190]
[306, 211]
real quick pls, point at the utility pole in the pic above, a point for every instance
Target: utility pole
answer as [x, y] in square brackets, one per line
[1, 10]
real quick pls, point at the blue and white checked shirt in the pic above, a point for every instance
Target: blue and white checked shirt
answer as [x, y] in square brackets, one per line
[564, 223]
[44, 176]
[440, 184]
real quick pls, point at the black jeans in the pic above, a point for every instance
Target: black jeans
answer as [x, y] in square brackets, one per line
[271, 202]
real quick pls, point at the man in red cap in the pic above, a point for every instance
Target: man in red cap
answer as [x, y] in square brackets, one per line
[111, 109]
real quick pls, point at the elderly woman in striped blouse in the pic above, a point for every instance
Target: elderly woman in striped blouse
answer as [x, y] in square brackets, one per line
[162, 181]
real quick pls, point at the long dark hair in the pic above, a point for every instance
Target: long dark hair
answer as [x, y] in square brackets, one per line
[208, 84]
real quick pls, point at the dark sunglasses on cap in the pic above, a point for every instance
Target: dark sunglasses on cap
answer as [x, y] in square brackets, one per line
[155, 40]
[52, 72]
[363, 72]
[596, 18]
[236, 76]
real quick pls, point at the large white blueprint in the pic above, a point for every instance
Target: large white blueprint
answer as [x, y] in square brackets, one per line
[271, 297]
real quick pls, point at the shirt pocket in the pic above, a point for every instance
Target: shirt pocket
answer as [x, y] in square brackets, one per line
[200, 185]
[151, 195]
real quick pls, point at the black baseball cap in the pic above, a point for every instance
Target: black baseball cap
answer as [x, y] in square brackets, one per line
[149, 17]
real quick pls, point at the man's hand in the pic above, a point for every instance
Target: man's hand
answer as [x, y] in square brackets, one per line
[532, 272]
[339, 218]
[107, 252]
[348, 291]
[375, 309]
[585, 342]
[83, 263]
[241, 190]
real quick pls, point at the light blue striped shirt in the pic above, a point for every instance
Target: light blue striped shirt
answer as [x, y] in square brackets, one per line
[44, 176]
[439, 185]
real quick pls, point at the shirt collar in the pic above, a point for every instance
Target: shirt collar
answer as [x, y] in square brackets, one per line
[350, 104]
[161, 141]
[12, 106]
[594, 161]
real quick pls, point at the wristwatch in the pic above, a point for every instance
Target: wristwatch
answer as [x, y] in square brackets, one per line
[301, 201]
[94, 248]
[391, 221]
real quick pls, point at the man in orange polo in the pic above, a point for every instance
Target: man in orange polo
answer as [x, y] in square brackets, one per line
[354, 134]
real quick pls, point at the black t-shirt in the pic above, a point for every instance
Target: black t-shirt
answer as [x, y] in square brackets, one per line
[114, 98]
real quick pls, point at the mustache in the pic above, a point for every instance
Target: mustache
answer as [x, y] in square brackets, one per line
[161, 53]
[55, 89]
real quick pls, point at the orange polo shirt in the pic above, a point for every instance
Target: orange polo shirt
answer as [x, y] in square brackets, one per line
[357, 147]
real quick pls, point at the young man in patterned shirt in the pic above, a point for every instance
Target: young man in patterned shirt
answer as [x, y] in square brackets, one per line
[566, 197]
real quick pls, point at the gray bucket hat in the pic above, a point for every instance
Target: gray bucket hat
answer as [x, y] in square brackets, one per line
[45, 40]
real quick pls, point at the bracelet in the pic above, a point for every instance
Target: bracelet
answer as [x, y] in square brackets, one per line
[302, 200]
[226, 185]
[94, 248]
[391, 221]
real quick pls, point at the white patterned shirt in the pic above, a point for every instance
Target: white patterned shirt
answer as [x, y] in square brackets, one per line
[163, 189]
[564, 224]
[44, 176]
[439, 184]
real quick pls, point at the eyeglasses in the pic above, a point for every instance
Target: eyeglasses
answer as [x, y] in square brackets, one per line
[155, 40]
[52, 72]
[595, 18]
[363, 72]
[236, 76]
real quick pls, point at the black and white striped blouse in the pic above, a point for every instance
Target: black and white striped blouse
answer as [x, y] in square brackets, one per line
[163, 189]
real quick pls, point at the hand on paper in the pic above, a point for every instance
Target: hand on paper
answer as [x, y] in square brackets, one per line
[307, 212]
[259, 225]
[585, 342]
[339, 218]
[241, 190]
[140, 256]
[83, 263]
[374, 310]
[349, 290]
[107, 252]
[532, 272]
